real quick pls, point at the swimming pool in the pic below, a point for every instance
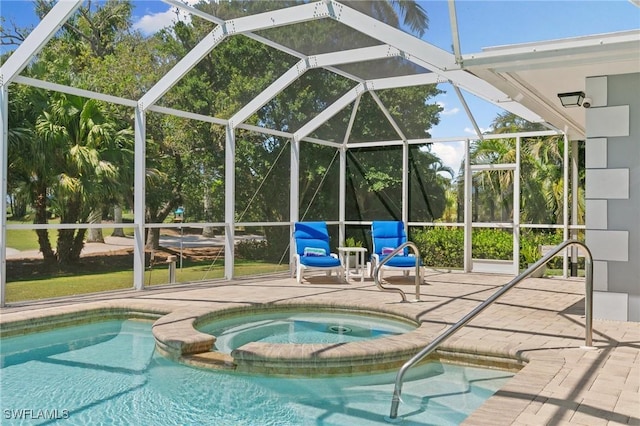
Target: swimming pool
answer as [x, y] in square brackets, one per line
[109, 372]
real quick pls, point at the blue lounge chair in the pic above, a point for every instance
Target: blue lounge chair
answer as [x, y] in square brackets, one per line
[312, 249]
[386, 237]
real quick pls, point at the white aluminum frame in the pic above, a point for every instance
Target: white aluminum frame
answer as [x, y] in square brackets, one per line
[444, 67]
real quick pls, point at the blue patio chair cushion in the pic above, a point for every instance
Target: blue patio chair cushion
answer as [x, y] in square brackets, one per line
[311, 237]
[320, 261]
[401, 261]
[387, 234]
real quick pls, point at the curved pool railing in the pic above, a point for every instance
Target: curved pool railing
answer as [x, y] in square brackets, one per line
[588, 301]
[376, 271]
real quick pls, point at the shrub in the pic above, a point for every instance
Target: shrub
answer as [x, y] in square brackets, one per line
[492, 243]
[444, 247]
[252, 249]
[441, 247]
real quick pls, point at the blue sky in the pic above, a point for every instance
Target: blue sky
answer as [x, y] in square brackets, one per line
[484, 23]
[481, 24]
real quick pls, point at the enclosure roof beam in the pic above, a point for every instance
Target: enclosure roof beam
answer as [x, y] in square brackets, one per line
[316, 61]
[375, 144]
[36, 40]
[74, 91]
[278, 18]
[291, 75]
[190, 60]
[260, 21]
[429, 56]
[350, 56]
[196, 12]
[387, 114]
[330, 111]
[455, 34]
[403, 81]
[463, 101]
[223, 122]
[352, 119]
[187, 115]
[272, 19]
[322, 142]
[422, 141]
[436, 59]
[484, 90]
[350, 96]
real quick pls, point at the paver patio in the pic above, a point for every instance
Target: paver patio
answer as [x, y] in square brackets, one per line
[539, 324]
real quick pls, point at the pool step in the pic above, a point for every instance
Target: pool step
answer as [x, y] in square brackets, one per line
[212, 359]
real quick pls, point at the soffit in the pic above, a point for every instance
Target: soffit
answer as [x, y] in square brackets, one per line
[534, 73]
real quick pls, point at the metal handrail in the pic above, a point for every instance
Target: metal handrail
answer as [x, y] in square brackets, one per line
[376, 271]
[471, 315]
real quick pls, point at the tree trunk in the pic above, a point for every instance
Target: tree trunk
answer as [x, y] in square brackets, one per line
[95, 234]
[158, 216]
[207, 231]
[117, 218]
[40, 207]
[64, 246]
[78, 245]
[153, 239]
[70, 243]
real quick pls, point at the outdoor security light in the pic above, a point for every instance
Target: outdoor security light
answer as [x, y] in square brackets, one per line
[571, 99]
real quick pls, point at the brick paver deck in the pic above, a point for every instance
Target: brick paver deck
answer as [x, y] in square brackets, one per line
[539, 324]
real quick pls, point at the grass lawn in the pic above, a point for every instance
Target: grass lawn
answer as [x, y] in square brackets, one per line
[27, 239]
[59, 286]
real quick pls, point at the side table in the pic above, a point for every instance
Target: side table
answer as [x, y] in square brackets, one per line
[357, 270]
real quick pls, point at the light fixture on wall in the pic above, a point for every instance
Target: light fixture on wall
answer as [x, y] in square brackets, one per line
[571, 99]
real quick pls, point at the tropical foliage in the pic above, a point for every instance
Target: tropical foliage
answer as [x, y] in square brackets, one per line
[443, 247]
[71, 157]
[542, 179]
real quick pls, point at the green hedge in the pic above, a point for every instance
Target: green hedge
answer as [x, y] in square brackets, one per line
[444, 247]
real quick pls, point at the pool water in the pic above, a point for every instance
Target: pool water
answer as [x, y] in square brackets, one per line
[297, 327]
[109, 373]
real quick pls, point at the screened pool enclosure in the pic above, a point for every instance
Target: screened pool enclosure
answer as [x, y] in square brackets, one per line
[245, 117]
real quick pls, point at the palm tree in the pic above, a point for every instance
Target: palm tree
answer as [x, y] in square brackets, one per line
[541, 162]
[391, 11]
[493, 189]
[74, 136]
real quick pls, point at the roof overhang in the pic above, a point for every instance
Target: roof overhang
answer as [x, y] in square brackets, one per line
[534, 73]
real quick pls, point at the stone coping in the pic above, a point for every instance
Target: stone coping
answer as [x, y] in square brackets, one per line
[50, 321]
[178, 338]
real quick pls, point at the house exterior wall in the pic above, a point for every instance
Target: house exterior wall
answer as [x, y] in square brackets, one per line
[613, 194]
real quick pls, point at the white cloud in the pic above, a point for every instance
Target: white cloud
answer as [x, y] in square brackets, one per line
[473, 131]
[446, 111]
[451, 154]
[154, 22]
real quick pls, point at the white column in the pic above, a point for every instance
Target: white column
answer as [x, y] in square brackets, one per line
[139, 201]
[342, 215]
[405, 185]
[294, 195]
[4, 152]
[565, 203]
[574, 206]
[468, 217]
[516, 210]
[229, 200]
